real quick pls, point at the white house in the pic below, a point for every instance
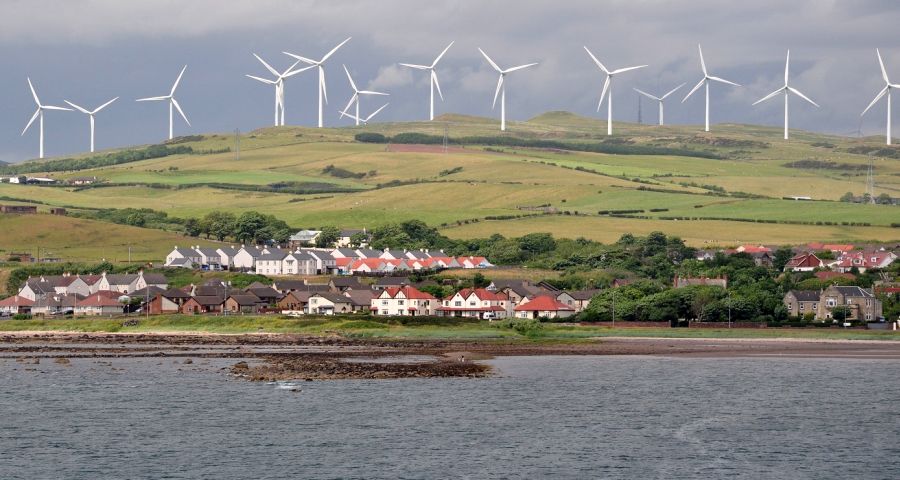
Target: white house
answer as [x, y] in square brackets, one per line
[403, 301]
[181, 252]
[246, 257]
[226, 256]
[477, 303]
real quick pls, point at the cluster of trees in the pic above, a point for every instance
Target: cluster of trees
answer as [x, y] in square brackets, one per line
[881, 199]
[249, 227]
[136, 217]
[95, 161]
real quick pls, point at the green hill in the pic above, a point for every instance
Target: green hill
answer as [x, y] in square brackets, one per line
[557, 172]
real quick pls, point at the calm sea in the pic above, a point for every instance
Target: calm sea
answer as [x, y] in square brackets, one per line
[540, 417]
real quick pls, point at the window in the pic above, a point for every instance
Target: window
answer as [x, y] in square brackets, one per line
[384, 302]
[457, 303]
[801, 307]
[830, 302]
[473, 303]
[400, 302]
[868, 316]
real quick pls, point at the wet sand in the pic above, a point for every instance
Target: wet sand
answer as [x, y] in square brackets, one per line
[268, 357]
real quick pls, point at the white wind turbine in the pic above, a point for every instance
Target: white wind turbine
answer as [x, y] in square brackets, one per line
[323, 95]
[172, 103]
[356, 93]
[786, 90]
[365, 121]
[606, 88]
[887, 89]
[659, 99]
[502, 87]
[705, 83]
[279, 85]
[90, 113]
[39, 113]
[434, 78]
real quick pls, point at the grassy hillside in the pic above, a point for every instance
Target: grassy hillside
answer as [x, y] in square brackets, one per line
[314, 177]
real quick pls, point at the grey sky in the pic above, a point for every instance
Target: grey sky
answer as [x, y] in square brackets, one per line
[88, 51]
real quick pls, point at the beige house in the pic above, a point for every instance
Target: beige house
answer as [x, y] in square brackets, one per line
[801, 302]
[862, 303]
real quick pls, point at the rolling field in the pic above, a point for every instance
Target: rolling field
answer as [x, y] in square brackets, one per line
[365, 185]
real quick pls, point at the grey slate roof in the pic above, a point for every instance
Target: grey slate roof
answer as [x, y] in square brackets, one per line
[853, 292]
[806, 295]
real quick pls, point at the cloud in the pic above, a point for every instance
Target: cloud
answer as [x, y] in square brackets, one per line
[390, 77]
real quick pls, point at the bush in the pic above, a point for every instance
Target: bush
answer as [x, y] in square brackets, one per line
[22, 316]
[367, 137]
[527, 327]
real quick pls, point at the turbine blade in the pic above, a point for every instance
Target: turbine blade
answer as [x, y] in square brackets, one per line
[497, 92]
[334, 50]
[322, 83]
[302, 59]
[797, 93]
[490, 61]
[51, 107]
[417, 67]
[177, 80]
[33, 93]
[372, 92]
[101, 107]
[152, 99]
[264, 80]
[702, 62]
[352, 98]
[438, 59]
[599, 64]
[722, 80]
[295, 72]
[877, 98]
[513, 69]
[603, 93]
[437, 84]
[268, 67]
[672, 91]
[76, 107]
[627, 69]
[696, 87]
[787, 64]
[776, 92]
[33, 118]
[178, 107]
[352, 84]
[881, 63]
[345, 114]
[647, 94]
[375, 113]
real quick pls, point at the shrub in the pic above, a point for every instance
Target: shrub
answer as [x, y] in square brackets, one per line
[367, 137]
[526, 327]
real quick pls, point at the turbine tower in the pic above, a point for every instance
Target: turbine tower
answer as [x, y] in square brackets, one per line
[172, 103]
[39, 113]
[356, 93]
[365, 121]
[704, 82]
[659, 99]
[90, 114]
[786, 90]
[606, 88]
[323, 94]
[501, 87]
[434, 78]
[279, 85]
[888, 86]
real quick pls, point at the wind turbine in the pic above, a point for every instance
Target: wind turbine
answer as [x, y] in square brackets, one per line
[323, 95]
[606, 87]
[501, 86]
[786, 90]
[172, 102]
[659, 99]
[434, 78]
[279, 85]
[40, 113]
[356, 93]
[887, 89]
[90, 113]
[365, 121]
[705, 83]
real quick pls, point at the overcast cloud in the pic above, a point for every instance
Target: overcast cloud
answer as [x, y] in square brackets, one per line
[88, 51]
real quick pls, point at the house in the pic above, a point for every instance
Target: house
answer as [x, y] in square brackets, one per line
[543, 306]
[328, 303]
[285, 286]
[344, 252]
[473, 262]
[517, 290]
[294, 301]
[345, 236]
[476, 303]
[803, 262]
[18, 209]
[182, 253]
[226, 256]
[762, 259]
[209, 257]
[863, 260]
[304, 238]
[384, 283]
[752, 249]
[243, 303]
[325, 263]
[203, 304]
[705, 255]
[363, 252]
[341, 285]
[82, 180]
[181, 263]
[245, 258]
[681, 282]
[360, 300]
[826, 247]
[270, 261]
[58, 211]
[300, 263]
[97, 304]
[55, 304]
[862, 303]
[15, 305]
[801, 302]
[268, 295]
[394, 254]
[404, 300]
[167, 301]
[578, 299]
